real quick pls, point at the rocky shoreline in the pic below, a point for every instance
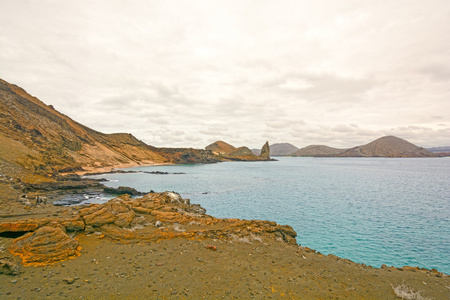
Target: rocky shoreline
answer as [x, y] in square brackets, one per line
[159, 245]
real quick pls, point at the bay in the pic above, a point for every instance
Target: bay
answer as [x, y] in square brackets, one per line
[393, 211]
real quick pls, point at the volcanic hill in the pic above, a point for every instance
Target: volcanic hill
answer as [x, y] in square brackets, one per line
[318, 150]
[37, 139]
[228, 152]
[388, 146]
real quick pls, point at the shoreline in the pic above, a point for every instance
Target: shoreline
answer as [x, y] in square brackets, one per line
[241, 264]
[223, 257]
[108, 169]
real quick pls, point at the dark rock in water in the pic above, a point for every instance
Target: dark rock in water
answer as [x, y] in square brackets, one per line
[79, 198]
[265, 151]
[60, 185]
[122, 190]
[162, 173]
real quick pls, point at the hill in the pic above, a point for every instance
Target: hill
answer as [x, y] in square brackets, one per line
[318, 150]
[37, 139]
[388, 146]
[225, 151]
[220, 148]
[279, 149]
[439, 149]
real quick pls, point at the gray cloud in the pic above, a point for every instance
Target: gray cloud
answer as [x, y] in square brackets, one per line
[185, 73]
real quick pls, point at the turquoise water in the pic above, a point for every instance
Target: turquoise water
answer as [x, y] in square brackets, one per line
[370, 210]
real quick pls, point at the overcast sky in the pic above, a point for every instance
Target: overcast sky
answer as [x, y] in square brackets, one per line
[188, 73]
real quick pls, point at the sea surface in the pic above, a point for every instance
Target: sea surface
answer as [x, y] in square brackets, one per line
[393, 211]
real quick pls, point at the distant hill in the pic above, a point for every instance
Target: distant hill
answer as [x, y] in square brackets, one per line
[220, 148]
[388, 146]
[318, 150]
[279, 149]
[226, 151]
[445, 149]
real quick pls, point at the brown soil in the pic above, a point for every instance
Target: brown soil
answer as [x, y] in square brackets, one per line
[186, 269]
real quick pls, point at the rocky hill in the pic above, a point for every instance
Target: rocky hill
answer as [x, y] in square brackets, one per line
[318, 150]
[220, 148]
[388, 146]
[37, 139]
[225, 151]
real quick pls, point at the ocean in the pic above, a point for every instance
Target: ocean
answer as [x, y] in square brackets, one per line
[393, 211]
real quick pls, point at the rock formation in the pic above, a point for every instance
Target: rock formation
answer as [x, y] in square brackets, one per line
[265, 151]
[45, 246]
[279, 149]
[154, 217]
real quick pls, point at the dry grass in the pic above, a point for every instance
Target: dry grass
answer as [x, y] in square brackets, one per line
[406, 292]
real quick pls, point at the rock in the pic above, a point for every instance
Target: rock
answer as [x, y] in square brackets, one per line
[122, 190]
[45, 246]
[73, 224]
[114, 211]
[158, 223]
[265, 151]
[18, 225]
[8, 266]
[124, 219]
[69, 280]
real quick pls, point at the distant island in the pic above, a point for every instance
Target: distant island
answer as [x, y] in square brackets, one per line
[227, 152]
[387, 146]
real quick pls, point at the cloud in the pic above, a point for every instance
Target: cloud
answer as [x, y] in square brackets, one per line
[187, 73]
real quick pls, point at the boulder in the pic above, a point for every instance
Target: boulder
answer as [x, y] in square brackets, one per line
[8, 266]
[115, 211]
[45, 246]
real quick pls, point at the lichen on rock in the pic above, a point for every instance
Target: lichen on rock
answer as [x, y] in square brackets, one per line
[45, 246]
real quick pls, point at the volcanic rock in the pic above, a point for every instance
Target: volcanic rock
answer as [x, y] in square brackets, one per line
[8, 266]
[265, 151]
[45, 246]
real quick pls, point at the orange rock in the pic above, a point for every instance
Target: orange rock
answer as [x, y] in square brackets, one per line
[124, 219]
[73, 224]
[45, 246]
[18, 225]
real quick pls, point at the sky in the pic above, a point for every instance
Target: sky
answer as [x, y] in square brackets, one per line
[187, 73]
